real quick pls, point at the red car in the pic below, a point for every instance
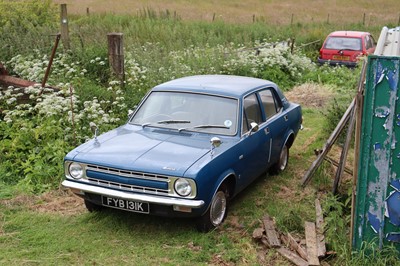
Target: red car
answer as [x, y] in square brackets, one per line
[345, 47]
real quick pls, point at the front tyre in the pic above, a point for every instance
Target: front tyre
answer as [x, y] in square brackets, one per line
[217, 211]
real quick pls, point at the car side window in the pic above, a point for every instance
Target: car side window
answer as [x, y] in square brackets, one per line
[270, 105]
[367, 42]
[251, 112]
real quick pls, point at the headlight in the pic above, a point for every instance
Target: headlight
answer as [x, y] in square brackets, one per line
[76, 170]
[182, 187]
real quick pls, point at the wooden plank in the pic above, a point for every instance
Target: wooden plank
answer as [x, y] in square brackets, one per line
[270, 230]
[343, 155]
[359, 112]
[328, 145]
[16, 82]
[319, 225]
[335, 163]
[311, 242]
[291, 256]
[292, 243]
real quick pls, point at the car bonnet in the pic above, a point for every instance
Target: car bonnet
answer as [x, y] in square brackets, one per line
[143, 149]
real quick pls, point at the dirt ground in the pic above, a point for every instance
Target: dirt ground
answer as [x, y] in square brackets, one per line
[310, 95]
[62, 202]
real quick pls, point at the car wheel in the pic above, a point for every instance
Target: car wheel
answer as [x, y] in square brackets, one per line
[90, 206]
[217, 211]
[283, 160]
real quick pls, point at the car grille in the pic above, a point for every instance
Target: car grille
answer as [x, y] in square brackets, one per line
[129, 180]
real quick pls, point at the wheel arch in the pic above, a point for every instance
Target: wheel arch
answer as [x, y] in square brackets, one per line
[228, 178]
[289, 139]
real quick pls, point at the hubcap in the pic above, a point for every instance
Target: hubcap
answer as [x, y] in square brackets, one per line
[283, 158]
[218, 208]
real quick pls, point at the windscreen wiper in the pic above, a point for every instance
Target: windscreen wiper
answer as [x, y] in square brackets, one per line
[204, 126]
[167, 122]
[173, 122]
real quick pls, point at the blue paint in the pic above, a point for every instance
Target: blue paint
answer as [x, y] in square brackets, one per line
[393, 207]
[382, 112]
[393, 80]
[396, 183]
[393, 237]
[374, 221]
[377, 146]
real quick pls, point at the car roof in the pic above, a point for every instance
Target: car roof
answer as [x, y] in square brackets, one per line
[348, 33]
[226, 85]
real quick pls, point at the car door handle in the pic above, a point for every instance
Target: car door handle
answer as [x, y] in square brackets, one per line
[286, 118]
[266, 130]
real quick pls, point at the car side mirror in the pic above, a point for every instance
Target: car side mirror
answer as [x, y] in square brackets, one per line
[94, 129]
[215, 143]
[254, 127]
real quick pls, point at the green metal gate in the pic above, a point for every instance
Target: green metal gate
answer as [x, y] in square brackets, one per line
[377, 213]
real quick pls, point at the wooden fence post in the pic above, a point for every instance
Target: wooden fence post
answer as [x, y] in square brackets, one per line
[116, 55]
[64, 27]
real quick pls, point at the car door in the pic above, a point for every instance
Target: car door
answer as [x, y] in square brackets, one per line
[254, 146]
[369, 44]
[276, 122]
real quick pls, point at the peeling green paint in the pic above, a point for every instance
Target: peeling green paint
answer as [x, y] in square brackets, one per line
[377, 213]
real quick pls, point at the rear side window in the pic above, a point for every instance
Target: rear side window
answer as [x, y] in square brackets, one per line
[251, 112]
[343, 43]
[270, 105]
[369, 42]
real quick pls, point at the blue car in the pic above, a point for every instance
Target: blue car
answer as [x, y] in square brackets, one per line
[190, 146]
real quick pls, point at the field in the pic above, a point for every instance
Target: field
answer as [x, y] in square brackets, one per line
[41, 224]
[340, 12]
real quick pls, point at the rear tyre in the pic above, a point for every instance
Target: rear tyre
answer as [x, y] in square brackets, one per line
[217, 211]
[91, 207]
[282, 162]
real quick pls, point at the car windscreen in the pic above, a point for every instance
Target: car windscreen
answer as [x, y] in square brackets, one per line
[343, 43]
[186, 111]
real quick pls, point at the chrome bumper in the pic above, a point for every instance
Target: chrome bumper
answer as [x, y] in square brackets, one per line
[131, 196]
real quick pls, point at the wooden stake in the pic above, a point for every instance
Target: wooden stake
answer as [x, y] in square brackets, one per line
[343, 155]
[328, 145]
[64, 27]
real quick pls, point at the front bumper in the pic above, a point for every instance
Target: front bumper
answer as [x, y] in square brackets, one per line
[152, 199]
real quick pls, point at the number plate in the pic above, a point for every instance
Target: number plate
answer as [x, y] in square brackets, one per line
[341, 57]
[127, 205]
